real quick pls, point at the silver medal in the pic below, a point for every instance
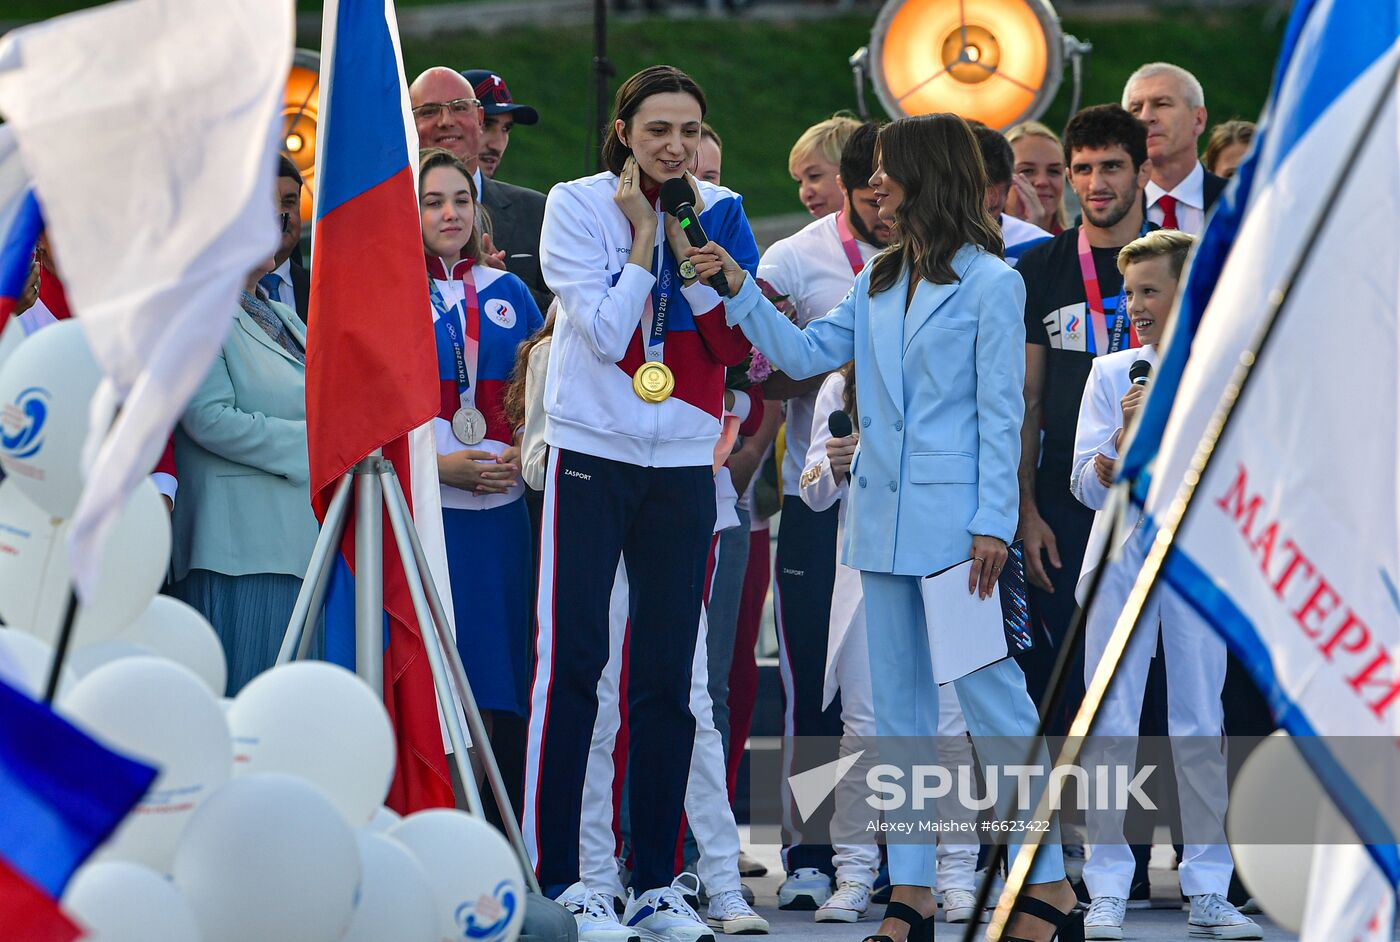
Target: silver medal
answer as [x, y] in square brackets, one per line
[469, 425]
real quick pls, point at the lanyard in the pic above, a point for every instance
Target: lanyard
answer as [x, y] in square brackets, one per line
[657, 304]
[465, 351]
[1105, 338]
[848, 243]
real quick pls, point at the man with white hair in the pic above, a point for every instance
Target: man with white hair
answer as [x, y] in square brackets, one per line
[1170, 101]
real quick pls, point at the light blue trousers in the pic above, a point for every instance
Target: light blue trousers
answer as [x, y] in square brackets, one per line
[1000, 716]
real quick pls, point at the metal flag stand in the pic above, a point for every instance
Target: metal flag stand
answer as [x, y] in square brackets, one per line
[377, 485]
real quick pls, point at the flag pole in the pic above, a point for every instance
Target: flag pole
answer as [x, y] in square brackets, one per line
[297, 641]
[1054, 695]
[60, 651]
[369, 571]
[1178, 512]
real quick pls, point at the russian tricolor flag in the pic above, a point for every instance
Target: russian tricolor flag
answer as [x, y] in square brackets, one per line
[63, 794]
[371, 367]
[20, 224]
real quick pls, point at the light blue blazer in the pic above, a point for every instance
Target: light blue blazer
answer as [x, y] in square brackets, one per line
[940, 398]
[244, 504]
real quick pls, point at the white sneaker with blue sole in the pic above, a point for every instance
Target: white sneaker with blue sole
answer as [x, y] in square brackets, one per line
[663, 915]
[596, 918]
[805, 890]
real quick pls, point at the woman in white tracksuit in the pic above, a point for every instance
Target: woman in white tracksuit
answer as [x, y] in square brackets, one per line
[707, 800]
[848, 670]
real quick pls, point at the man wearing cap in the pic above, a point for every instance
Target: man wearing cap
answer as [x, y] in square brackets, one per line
[516, 212]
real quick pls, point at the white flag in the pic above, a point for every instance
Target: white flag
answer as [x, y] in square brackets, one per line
[150, 129]
[1292, 546]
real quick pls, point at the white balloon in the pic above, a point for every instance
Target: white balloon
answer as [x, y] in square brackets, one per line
[320, 722]
[384, 819]
[45, 388]
[158, 712]
[475, 876]
[395, 900]
[89, 658]
[25, 662]
[117, 901]
[1276, 875]
[268, 857]
[172, 629]
[35, 577]
[28, 544]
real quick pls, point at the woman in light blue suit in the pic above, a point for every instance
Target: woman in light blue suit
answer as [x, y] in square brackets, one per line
[243, 526]
[935, 326]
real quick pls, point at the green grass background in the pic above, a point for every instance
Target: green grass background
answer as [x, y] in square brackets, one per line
[767, 81]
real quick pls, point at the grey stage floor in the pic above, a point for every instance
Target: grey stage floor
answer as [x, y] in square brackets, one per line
[1154, 925]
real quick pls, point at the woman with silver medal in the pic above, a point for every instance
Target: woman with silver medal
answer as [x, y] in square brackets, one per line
[480, 315]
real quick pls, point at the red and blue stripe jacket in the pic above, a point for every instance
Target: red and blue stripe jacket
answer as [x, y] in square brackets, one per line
[598, 343]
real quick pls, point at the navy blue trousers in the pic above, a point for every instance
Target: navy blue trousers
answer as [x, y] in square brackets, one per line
[659, 522]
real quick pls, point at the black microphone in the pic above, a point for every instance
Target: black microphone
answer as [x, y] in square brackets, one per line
[678, 200]
[839, 424]
[1140, 372]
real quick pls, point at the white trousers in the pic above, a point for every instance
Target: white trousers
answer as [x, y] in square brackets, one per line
[1195, 671]
[707, 793]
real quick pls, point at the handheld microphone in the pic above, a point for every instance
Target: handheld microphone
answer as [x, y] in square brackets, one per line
[1140, 372]
[678, 200]
[839, 424]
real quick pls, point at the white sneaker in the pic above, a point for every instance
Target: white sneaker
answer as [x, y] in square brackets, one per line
[1212, 917]
[596, 918]
[805, 889]
[663, 915]
[751, 866]
[847, 904]
[959, 905]
[729, 913]
[1104, 920]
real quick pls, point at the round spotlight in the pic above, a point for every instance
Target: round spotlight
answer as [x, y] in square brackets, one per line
[300, 107]
[996, 61]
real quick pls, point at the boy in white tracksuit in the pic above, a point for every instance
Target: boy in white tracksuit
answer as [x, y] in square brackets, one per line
[1195, 655]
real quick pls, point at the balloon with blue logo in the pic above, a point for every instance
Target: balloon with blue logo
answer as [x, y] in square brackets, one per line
[34, 573]
[46, 386]
[474, 874]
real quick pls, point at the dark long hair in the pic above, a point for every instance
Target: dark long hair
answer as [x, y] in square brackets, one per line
[513, 403]
[654, 80]
[430, 158]
[935, 158]
[848, 393]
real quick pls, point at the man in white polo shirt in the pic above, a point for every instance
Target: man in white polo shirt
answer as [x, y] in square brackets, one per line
[815, 268]
[1170, 101]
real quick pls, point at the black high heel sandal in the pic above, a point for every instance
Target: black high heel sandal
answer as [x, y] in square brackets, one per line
[1069, 927]
[920, 926]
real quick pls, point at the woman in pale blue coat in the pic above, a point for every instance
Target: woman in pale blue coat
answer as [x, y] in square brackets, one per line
[939, 359]
[243, 526]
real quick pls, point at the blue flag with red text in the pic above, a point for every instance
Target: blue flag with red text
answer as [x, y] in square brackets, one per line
[1291, 548]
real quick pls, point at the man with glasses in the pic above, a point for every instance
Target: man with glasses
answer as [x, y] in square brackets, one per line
[449, 115]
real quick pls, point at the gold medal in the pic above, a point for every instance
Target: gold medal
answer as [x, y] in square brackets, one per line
[653, 382]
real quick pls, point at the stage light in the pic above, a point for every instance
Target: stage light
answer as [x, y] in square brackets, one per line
[996, 61]
[299, 120]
